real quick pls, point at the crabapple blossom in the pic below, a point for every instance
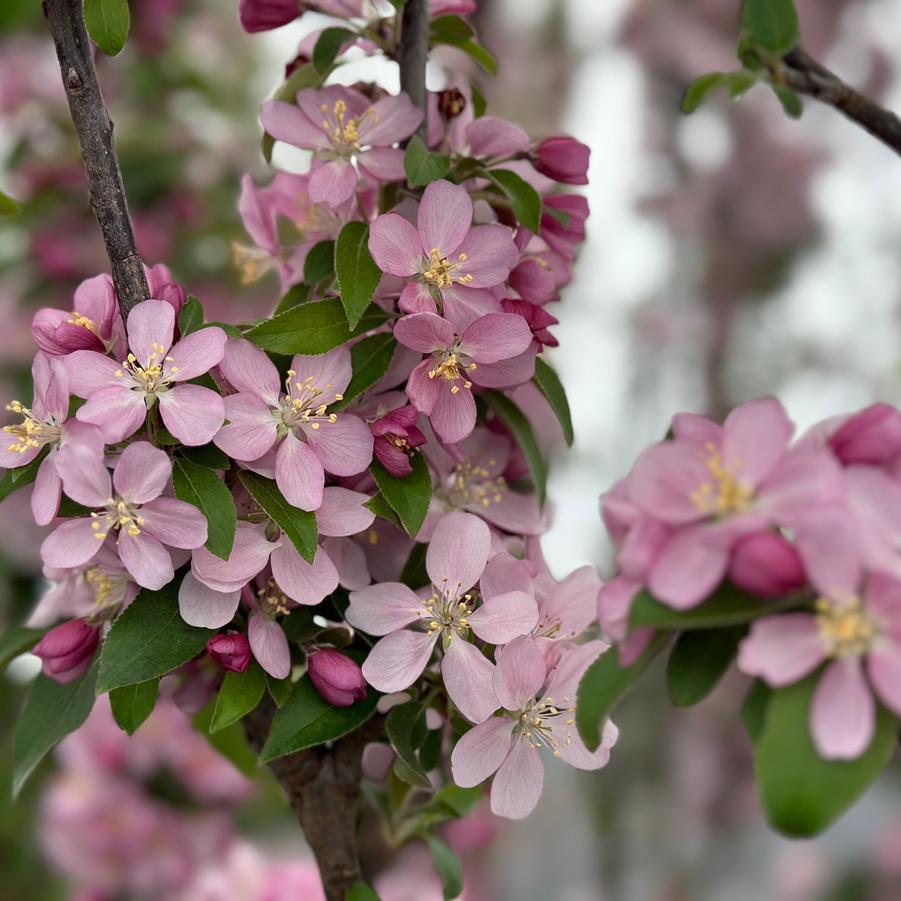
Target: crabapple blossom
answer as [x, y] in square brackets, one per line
[336, 677]
[563, 159]
[66, 652]
[231, 650]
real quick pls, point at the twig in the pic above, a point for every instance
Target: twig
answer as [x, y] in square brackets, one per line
[805, 75]
[95, 135]
[412, 55]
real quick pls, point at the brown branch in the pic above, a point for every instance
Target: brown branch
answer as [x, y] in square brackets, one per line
[95, 136]
[412, 55]
[805, 75]
[323, 787]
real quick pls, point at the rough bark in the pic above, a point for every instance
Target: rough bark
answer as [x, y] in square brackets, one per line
[95, 136]
[412, 55]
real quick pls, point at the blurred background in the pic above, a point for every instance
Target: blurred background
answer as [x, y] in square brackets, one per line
[730, 254]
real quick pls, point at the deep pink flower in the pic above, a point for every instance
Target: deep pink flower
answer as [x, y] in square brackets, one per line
[345, 130]
[871, 436]
[162, 286]
[538, 319]
[564, 235]
[66, 652]
[455, 560]
[444, 257]
[766, 564]
[263, 15]
[309, 441]
[119, 395]
[539, 713]
[130, 505]
[231, 650]
[494, 351]
[563, 159]
[336, 677]
[396, 437]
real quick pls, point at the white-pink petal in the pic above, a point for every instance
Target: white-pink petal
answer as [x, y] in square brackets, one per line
[202, 606]
[458, 551]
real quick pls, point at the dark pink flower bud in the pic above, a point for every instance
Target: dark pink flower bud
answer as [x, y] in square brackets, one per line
[59, 333]
[563, 159]
[231, 650]
[396, 436]
[766, 564]
[263, 15]
[565, 229]
[336, 677]
[871, 436]
[537, 317]
[163, 286]
[67, 650]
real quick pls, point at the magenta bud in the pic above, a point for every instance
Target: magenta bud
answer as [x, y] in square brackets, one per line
[336, 677]
[563, 159]
[231, 650]
[67, 650]
[263, 15]
[871, 436]
[766, 564]
[58, 333]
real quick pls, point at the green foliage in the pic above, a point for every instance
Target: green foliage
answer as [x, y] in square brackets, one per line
[8, 205]
[201, 487]
[405, 728]
[549, 385]
[13, 479]
[409, 496]
[359, 891]
[422, 166]
[132, 704]
[698, 661]
[207, 455]
[358, 275]
[448, 866]
[230, 741]
[369, 359]
[319, 263]
[327, 46]
[736, 83]
[240, 693]
[190, 317]
[524, 199]
[457, 32]
[108, 22]
[521, 429]
[790, 101]
[18, 641]
[771, 24]
[299, 525]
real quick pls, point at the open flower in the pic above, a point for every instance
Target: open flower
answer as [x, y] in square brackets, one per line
[310, 441]
[119, 396]
[455, 560]
[343, 127]
[494, 351]
[539, 714]
[131, 506]
[444, 257]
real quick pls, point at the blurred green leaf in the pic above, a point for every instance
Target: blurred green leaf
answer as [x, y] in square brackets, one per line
[132, 704]
[108, 22]
[319, 263]
[790, 101]
[771, 24]
[400, 727]
[9, 206]
[18, 641]
[370, 359]
[330, 41]
[448, 866]
[698, 661]
[521, 429]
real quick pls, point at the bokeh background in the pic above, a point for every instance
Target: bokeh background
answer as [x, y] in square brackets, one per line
[730, 254]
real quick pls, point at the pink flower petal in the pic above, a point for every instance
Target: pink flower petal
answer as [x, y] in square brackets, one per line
[563, 680]
[424, 332]
[504, 617]
[453, 416]
[573, 751]
[269, 646]
[398, 659]
[383, 608]
[493, 136]
[755, 436]
[458, 551]
[843, 713]
[150, 328]
[197, 353]
[344, 447]
[520, 673]
[117, 411]
[395, 245]
[781, 649]
[146, 559]
[884, 669]
[507, 373]
[249, 556]
[328, 373]
[489, 255]
[828, 542]
[467, 676]
[687, 569]
[248, 370]
[518, 783]
[495, 337]
[416, 298]
[299, 474]
[481, 751]
[665, 478]
[462, 305]
[204, 607]
[45, 495]
[393, 118]
[303, 582]
[71, 544]
[342, 512]
[250, 430]
[174, 523]
[85, 476]
[192, 413]
[803, 479]
[382, 163]
[350, 561]
[142, 473]
[285, 122]
[89, 372]
[445, 215]
[333, 183]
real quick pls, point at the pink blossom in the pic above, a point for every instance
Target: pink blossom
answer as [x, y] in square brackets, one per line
[539, 713]
[614, 602]
[231, 650]
[444, 258]
[336, 677]
[563, 159]
[564, 235]
[538, 319]
[162, 286]
[396, 437]
[766, 564]
[494, 351]
[345, 130]
[66, 652]
[119, 396]
[263, 15]
[859, 637]
[308, 441]
[871, 436]
[455, 560]
[130, 505]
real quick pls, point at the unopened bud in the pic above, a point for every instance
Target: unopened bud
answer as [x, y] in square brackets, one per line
[336, 677]
[231, 650]
[67, 650]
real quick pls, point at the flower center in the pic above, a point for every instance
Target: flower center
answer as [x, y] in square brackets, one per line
[448, 365]
[76, 318]
[272, 600]
[302, 405]
[725, 492]
[441, 269]
[471, 483]
[252, 262]
[108, 587]
[845, 628]
[31, 432]
[118, 514]
[536, 724]
[154, 378]
[344, 132]
[447, 609]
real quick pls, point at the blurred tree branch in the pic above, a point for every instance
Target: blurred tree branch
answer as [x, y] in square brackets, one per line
[95, 136]
[412, 55]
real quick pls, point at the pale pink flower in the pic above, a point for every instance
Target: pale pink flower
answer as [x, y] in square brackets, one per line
[309, 441]
[455, 560]
[345, 130]
[538, 713]
[119, 395]
[493, 352]
[131, 505]
[444, 257]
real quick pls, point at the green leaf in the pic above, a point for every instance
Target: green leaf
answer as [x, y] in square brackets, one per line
[448, 865]
[8, 205]
[18, 641]
[549, 385]
[207, 455]
[108, 22]
[604, 685]
[280, 689]
[13, 479]
[740, 82]
[422, 166]
[307, 76]
[132, 704]
[358, 275]
[409, 496]
[753, 710]
[230, 741]
[521, 429]
[477, 52]
[457, 32]
[382, 509]
[319, 263]
[414, 574]
[240, 693]
[790, 101]
[369, 359]
[802, 793]
[359, 891]
[524, 199]
[190, 317]
[400, 727]
[148, 640]
[293, 297]
[307, 719]
[327, 46]
[700, 89]
[204, 489]
[298, 525]
[771, 24]
[51, 713]
[698, 661]
[727, 606]
[313, 328]
[479, 103]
